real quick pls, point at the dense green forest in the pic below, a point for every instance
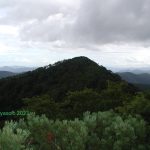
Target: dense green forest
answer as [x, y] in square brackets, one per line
[55, 80]
[87, 107]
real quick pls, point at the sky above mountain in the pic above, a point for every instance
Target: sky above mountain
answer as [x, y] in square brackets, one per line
[114, 33]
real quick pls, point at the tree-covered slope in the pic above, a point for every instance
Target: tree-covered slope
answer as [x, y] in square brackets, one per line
[56, 80]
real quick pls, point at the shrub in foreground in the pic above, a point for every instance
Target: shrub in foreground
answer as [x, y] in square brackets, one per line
[101, 130]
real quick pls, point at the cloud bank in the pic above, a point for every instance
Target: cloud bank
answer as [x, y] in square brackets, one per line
[94, 21]
[87, 24]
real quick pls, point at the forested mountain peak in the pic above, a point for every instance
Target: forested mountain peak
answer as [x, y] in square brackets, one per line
[56, 80]
[76, 61]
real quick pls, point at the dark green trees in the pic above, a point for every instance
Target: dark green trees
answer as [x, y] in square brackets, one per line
[42, 105]
[55, 80]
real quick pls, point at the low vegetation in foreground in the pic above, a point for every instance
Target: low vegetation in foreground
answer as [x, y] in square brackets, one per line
[95, 131]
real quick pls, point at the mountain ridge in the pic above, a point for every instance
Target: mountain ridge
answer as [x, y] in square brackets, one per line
[56, 80]
[143, 78]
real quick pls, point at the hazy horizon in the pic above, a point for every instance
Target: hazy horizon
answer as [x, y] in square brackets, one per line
[112, 68]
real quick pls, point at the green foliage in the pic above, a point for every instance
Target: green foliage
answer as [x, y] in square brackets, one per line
[115, 95]
[140, 104]
[76, 103]
[110, 131]
[42, 105]
[13, 138]
[102, 130]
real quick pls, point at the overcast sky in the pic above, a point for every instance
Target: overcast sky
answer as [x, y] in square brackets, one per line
[114, 33]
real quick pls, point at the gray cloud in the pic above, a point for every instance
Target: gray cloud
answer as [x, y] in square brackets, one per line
[94, 22]
[104, 21]
[22, 11]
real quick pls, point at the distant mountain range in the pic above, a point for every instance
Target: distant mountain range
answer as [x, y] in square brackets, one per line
[4, 74]
[141, 80]
[132, 70]
[16, 69]
[7, 71]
